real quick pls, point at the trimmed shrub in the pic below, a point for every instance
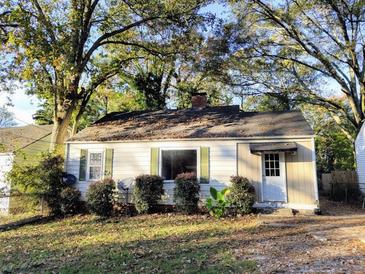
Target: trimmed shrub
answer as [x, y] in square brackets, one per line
[99, 197]
[147, 191]
[186, 193]
[241, 195]
[70, 200]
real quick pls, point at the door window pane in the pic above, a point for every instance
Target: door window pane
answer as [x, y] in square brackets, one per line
[175, 162]
[272, 164]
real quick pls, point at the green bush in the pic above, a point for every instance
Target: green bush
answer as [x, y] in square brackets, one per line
[217, 204]
[241, 195]
[70, 200]
[186, 193]
[147, 191]
[99, 197]
[42, 179]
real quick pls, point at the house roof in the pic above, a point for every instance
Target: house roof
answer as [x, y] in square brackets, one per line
[14, 138]
[210, 122]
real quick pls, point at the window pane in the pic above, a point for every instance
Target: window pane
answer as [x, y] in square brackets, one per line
[272, 164]
[277, 172]
[95, 172]
[95, 159]
[175, 162]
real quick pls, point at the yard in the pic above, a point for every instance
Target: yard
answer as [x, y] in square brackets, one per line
[189, 244]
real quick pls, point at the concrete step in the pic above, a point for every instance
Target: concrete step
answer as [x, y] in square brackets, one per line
[276, 212]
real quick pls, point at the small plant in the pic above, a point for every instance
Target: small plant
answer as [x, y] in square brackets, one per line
[70, 200]
[217, 204]
[99, 197]
[147, 192]
[186, 193]
[242, 195]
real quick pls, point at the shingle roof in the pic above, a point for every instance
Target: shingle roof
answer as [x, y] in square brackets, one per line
[14, 138]
[210, 122]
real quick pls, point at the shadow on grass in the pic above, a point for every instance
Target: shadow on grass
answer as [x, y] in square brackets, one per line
[207, 251]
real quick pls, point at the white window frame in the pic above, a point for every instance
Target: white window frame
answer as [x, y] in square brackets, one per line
[91, 151]
[197, 149]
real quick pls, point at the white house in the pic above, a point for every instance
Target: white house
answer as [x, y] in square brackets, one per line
[274, 150]
[19, 144]
[360, 158]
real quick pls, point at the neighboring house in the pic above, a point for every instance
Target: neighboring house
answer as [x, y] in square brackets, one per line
[20, 144]
[274, 150]
[360, 158]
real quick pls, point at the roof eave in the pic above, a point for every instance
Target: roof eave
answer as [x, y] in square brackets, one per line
[197, 139]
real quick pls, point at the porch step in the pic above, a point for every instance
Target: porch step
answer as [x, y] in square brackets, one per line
[276, 212]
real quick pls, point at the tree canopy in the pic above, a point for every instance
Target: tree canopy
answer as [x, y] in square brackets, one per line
[314, 50]
[64, 50]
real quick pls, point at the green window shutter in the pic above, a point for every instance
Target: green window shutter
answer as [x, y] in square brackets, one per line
[154, 160]
[204, 165]
[83, 163]
[109, 155]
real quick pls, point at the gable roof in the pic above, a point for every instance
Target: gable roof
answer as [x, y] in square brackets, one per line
[210, 122]
[13, 138]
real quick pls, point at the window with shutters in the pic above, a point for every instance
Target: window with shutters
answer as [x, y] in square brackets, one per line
[176, 161]
[95, 165]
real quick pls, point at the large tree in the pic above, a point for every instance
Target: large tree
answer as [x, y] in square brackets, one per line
[315, 49]
[61, 48]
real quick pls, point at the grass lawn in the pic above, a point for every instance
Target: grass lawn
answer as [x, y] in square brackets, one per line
[149, 244]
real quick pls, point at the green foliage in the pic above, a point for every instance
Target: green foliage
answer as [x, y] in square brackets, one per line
[218, 203]
[43, 179]
[186, 193]
[70, 200]
[334, 148]
[279, 101]
[99, 197]
[147, 191]
[241, 195]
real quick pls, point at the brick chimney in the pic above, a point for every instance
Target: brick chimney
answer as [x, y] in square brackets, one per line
[199, 100]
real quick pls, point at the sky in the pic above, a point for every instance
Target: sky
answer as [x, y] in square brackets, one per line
[24, 106]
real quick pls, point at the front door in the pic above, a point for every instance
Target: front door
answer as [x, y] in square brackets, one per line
[274, 179]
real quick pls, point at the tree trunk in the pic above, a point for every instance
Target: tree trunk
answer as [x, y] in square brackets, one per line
[60, 131]
[75, 125]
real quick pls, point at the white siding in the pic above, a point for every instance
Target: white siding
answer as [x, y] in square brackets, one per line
[6, 163]
[133, 159]
[360, 158]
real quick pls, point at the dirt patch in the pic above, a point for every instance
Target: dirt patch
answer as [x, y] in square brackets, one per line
[310, 244]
